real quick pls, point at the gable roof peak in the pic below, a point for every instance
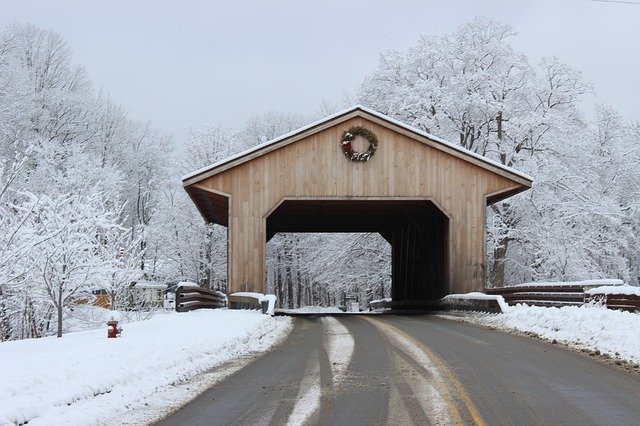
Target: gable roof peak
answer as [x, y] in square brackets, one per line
[190, 178]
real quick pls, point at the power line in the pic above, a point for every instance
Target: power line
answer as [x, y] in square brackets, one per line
[617, 1]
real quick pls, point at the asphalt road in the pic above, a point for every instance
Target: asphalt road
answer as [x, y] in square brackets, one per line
[403, 370]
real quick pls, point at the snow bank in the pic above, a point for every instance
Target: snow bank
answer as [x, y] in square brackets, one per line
[622, 289]
[616, 333]
[85, 378]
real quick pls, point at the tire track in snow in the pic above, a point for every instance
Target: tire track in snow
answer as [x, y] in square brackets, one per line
[339, 345]
[431, 378]
[308, 399]
[399, 413]
[425, 391]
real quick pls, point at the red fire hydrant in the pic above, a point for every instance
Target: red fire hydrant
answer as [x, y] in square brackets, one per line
[112, 329]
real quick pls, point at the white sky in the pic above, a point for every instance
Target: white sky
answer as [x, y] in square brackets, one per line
[186, 63]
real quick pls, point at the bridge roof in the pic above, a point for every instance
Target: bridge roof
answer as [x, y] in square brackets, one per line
[356, 110]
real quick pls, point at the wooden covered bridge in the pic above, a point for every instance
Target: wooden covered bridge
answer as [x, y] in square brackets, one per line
[360, 171]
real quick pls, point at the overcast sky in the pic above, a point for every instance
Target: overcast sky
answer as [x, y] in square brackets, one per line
[187, 63]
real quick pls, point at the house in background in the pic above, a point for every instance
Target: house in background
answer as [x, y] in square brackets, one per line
[144, 294]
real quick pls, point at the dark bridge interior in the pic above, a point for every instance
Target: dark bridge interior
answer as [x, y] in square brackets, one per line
[416, 229]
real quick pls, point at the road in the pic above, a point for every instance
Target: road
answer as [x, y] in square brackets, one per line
[403, 370]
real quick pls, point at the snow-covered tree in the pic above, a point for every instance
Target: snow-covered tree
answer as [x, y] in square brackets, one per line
[119, 256]
[65, 259]
[65, 152]
[472, 87]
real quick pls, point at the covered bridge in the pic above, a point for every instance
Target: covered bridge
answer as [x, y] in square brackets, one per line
[360, 171]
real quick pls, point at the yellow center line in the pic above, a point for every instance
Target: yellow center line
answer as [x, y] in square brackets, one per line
[449, 375]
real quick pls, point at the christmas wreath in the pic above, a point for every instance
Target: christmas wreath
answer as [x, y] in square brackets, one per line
[350, 135]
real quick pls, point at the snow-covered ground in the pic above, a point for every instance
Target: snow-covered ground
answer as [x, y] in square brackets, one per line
[159, 364]
[592, 327]
[156, 366]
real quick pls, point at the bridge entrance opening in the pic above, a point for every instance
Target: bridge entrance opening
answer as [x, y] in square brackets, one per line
[416, 230]
[328, 269]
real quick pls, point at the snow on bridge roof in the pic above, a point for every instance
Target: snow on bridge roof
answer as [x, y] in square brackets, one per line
[211, 169]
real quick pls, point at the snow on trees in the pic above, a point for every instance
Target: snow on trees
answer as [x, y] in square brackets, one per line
[65, 259]
[79, 179]
[64, 205]
[471, 86]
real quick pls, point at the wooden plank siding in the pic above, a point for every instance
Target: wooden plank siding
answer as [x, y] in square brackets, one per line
[314, 167]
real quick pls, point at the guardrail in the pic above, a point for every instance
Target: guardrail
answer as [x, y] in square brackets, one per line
[560, 295]
[190, 297]
[621, 302]
[564, 295]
